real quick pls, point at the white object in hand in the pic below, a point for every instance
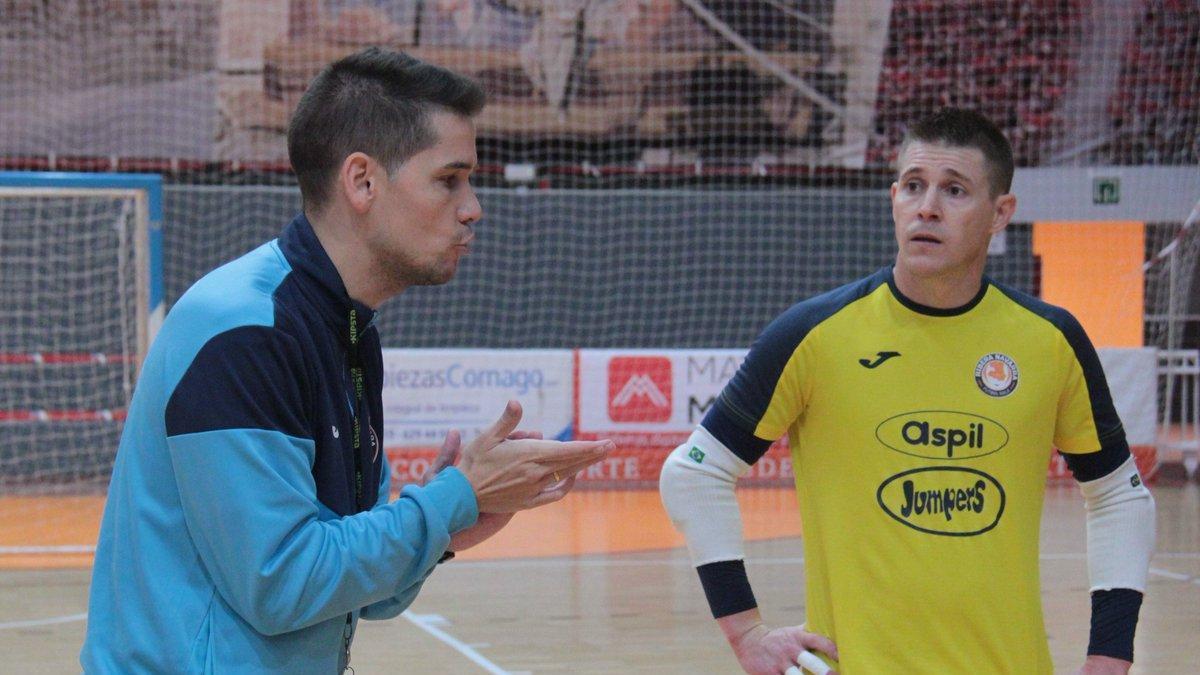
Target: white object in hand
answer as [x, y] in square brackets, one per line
[810, 662]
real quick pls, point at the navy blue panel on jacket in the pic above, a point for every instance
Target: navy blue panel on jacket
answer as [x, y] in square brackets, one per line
[278, 378]
[236, 382]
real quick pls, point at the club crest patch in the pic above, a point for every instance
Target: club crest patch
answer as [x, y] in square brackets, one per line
[996, 374]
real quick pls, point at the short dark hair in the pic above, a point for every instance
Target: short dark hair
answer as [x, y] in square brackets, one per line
[376, 101]
[968, 129]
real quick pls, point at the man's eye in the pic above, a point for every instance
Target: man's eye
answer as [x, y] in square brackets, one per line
[956, 191]
[912, 186]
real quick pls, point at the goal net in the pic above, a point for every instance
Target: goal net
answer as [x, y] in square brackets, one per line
[75, 261]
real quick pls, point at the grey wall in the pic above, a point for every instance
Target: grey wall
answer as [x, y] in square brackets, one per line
[567, 268]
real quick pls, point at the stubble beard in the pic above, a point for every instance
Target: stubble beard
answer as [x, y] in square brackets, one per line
[407, 272]
[943, 266]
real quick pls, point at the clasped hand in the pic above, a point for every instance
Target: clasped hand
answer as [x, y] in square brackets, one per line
[512, 471]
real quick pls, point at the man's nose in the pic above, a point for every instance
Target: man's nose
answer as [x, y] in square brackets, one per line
[930, 205]
[471, 210]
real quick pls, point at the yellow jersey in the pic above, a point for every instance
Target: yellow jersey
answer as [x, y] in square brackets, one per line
[920, 439]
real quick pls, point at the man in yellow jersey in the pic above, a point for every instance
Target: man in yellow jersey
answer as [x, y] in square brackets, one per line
[921, 404]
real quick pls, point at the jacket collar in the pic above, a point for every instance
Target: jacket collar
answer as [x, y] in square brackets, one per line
[320, 281]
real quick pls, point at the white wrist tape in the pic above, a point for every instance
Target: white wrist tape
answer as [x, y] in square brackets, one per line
[1120, 529]
[697, 487]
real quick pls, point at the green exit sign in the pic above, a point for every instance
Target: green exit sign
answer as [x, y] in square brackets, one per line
[1106, 190]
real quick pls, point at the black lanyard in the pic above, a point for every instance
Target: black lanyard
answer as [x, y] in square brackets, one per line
[356, 377]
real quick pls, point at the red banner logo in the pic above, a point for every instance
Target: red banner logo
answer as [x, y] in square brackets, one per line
[639, 389]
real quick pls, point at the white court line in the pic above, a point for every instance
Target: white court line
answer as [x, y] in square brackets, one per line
[425, 622]
[1170, 575]
[43, 622]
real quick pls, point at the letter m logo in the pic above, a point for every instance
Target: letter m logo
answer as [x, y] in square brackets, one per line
[639, 389]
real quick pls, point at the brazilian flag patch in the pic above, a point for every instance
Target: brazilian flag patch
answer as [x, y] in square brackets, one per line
[697, 455]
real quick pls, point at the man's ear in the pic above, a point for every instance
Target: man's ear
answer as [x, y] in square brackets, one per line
[1006, 206]
[357, 181]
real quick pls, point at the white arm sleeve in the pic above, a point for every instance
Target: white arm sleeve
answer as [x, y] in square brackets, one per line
[696, 485]
[1120, 529]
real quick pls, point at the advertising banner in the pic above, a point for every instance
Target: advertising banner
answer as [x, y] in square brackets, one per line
[428, 392]
[649, 401]
[1133, 380]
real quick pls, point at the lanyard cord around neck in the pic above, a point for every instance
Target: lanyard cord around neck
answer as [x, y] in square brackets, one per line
[356, 377]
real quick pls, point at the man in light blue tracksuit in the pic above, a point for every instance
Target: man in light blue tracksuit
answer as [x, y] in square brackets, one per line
[248, 526]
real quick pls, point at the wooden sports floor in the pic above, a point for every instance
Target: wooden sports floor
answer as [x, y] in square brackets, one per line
[599, 583]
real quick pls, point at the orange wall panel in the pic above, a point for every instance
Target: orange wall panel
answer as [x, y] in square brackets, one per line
[1094, 270]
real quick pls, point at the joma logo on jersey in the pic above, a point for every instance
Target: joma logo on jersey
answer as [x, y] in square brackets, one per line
[639, 389]
[943, 500]
[942, 434]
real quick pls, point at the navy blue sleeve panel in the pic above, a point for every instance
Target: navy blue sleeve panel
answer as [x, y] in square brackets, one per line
[1093, 465]
[251, 377]
[735, 415]
[726, 587]
[1108, 424]
[732, 433]
[1114, 622]
[1114, 449]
